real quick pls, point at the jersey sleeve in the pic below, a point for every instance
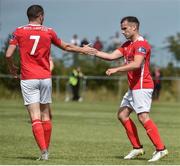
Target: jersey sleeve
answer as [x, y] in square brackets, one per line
[124, 45]
[55, 40]
[141, 48]
[13, 40]
[121, 49]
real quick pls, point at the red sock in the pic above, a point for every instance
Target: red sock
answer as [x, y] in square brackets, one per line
[38, 132]
[47, 126]
[153, 134]
[132, 133]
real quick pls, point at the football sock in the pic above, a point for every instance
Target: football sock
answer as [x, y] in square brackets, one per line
[47, 126]
[38, 132]
[153, 134]
[132, 133]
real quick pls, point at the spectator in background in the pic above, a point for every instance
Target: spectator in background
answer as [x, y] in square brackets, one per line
[157, 83]
[84, 42]
[75, 40]
[98, 45]
[116, 41]
[75, 82]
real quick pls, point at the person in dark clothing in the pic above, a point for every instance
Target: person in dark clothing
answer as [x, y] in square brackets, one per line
[157, 83]
[98, 44]
[74, 81]
[84, 42]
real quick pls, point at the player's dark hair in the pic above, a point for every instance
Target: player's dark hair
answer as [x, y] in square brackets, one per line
[131, 19]
[34, 11]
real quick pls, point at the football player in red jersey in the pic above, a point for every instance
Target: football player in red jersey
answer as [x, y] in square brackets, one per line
[136, 52]
[34, 42]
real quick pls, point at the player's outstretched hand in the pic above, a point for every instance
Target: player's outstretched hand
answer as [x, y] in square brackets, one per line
[13, 70]
[89, 50]
[111, 71]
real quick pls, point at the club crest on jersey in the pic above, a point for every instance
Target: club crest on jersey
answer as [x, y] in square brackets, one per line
[142, 50]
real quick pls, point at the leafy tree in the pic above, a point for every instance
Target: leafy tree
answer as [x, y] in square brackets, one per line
[174, 45]
[12, 84]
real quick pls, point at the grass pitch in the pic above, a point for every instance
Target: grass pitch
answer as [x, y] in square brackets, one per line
[86, 133]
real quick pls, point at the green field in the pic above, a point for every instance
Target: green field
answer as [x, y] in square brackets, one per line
[85, 133]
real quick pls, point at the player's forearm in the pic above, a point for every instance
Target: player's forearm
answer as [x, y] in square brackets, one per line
[10, 51]
[73, 48]
[104, 55]
[9, 54]
[128, 67]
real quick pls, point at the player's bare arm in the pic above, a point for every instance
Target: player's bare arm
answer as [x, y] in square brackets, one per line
[73, 48]
[138, 61]
[109, 56]
[12, 67]
[51, 63]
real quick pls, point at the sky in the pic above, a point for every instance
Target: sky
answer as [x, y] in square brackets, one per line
[90, 18]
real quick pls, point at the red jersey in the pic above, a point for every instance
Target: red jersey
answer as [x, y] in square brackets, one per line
[34, 42]
[139, 78]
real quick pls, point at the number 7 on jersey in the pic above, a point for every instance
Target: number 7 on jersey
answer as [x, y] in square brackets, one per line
[36, 38]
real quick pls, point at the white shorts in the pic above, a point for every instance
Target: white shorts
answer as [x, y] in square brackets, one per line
[36, 91]
[139, 100]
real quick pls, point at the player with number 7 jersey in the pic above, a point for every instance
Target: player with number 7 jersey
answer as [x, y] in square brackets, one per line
[34, 43]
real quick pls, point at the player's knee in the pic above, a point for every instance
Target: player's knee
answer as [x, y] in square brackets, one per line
[46, 115]
[122, 116]
[34, 115]
[119, 114]
[143, 117]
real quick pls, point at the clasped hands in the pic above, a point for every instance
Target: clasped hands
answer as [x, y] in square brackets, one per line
[89, 50]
